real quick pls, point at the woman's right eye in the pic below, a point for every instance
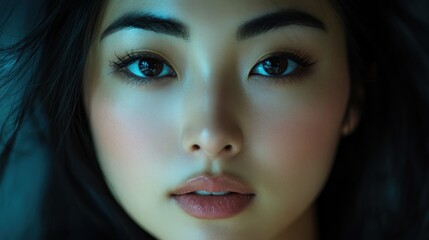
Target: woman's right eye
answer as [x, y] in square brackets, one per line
[150, 68]
[142, 68]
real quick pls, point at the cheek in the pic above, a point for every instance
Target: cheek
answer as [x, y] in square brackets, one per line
[131, 141]
[296, 143]
[127, 126]
[304, 132]
[302, 145]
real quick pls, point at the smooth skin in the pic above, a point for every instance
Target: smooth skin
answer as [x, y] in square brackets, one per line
[214, 116]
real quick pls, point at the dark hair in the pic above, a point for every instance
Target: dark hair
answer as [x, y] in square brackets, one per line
[77, 203]
[379, 186]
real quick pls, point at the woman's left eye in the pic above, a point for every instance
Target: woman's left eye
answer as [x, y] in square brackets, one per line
[277, 66]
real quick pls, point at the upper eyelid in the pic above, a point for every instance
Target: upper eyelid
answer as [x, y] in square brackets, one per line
[131, 57]
[159, 56]
[301, 58]
[284, 53]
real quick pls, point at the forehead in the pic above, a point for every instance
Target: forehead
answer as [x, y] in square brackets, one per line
[220, 14]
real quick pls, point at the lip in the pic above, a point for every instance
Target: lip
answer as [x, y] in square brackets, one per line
[237, 200]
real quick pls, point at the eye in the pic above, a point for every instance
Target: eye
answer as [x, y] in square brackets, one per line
[276, 66]
[142, 68]
[150, 68]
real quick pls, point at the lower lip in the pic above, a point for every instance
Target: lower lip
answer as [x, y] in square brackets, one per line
[213, 207]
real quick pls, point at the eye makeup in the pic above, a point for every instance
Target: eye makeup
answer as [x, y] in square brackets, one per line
[150, 64]
[279, 67]
[286, 66]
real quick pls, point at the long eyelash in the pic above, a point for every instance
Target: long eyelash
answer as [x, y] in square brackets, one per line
[122, 62]
[305, 63]
[119, 66]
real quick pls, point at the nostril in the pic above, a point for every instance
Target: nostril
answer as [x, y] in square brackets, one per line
[228, 147]
[195, 147]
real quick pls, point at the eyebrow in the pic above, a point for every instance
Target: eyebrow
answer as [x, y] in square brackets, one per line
[252, 28]
[273, 21]
[150, 22]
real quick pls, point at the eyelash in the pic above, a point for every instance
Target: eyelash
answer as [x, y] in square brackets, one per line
[304, 63]
[121, 65]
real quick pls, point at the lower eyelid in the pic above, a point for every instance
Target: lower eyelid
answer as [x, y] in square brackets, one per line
[297, 75]
[305, 65]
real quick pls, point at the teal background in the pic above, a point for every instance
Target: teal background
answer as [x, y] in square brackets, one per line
[22, 185]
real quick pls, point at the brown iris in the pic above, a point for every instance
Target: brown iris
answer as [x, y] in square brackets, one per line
[151, 67]
[275, 65]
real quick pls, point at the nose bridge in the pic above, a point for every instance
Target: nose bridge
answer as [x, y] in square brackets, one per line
[211, 108]
[213, 84]
[211, 129]
[213, 59]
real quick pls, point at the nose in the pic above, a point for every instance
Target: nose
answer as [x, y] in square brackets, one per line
[213, 142]
[211, 130]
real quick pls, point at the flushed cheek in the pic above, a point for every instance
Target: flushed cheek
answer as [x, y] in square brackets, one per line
[302, 146]
[131, 146]
[306, 136]
[122, 136]
[297, 145]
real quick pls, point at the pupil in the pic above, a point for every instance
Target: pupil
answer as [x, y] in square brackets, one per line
[150, 67]
[275, 65]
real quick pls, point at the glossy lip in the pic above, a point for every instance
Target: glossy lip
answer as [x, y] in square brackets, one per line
[213, 184]
[211, 206]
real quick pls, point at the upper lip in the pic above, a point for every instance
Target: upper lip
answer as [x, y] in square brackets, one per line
[213, 184]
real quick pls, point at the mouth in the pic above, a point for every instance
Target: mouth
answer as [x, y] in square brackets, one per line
[213, 197]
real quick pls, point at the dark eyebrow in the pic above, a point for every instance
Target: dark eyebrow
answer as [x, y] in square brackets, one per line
[148, 22]
[276, 20]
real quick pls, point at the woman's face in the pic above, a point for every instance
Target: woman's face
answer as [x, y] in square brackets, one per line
[218, 119]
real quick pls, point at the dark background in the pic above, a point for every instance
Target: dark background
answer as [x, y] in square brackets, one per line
[23, 182]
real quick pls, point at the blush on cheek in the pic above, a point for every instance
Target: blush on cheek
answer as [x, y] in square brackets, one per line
[305, 140]
[117, 133]
[132, 141]
[122, 145]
